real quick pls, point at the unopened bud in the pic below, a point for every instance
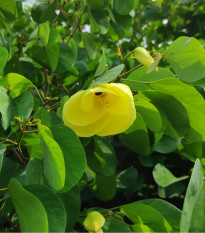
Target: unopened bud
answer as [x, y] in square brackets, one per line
[94, 222]
[143, 56]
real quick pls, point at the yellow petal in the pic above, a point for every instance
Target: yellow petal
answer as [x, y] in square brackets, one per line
[91, 129]
[75, 115]
[94, 221]
[118, 124]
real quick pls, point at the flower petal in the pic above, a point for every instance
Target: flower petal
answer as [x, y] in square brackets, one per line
[91, 129]
[75, 115]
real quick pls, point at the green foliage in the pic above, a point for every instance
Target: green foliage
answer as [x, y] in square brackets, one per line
[50, 179]
[31, 212]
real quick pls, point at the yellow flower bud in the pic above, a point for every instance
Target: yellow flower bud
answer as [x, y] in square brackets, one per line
[143, 56]
[94, 221]
[104, 110]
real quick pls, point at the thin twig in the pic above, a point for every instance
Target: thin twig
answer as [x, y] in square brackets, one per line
[53, 107]
[61, 11]
[19, 157]
[135, 81]
[129, 71]
[72, 88]
[47, 81]
[75, 25]
[38, 94]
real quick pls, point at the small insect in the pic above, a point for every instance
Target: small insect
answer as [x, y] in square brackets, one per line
[98, 93]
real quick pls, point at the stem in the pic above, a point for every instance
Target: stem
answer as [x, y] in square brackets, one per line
[4, 189]
[72, 88]
[30, 131]
[47, 81]
[19, 157]
[54, 107]
[130, 53]
[8, 140]
[135, 81]
[75, 25]
[126, 73]
[38, 94]
[61, 11]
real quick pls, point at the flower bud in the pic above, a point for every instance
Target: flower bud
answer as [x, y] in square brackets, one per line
[94, 221]
[143, 56]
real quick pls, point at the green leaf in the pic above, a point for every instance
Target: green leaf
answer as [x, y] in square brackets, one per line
[123, 7]
[187, 58]
[173, 113]
[30, 211]
[66, 58]
[171, 213]
[101, 20]
[163, 177]
[140, 75]
[46, 56]
[108, 76]
[44, 31]
[33, 143]
[23, 106]
[150, 114]
[60, 109]
[173, 190]
[197, 220]
[72, 204]
[34, 172]
[192, 193]
[74, 155]
[5, 108]
[17, 83]
[8, 6]
[3, 57]
[189, 97]
[43, 10]
[42, 114]
[101, 157]
[140, 227]
[89, 44]
[53, 36]
[144, 214]
[113, 225]
[97, 4]
[127, 178]
[54, 165]
[101, 65]
[53, 206]
[8, 170]
[2, 150]
[167, 144]
[136, 138]
[104, 187]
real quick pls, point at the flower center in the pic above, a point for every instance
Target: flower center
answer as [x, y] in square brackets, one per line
[103, 99]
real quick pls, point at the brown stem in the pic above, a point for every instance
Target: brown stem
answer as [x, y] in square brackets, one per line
[19, 157]
[61, 11]
[54, 107]
[47, 81]
[75, 25]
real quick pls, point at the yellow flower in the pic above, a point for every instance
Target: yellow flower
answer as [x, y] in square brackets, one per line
[94, 221]
[104, 109]
[143, 56]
